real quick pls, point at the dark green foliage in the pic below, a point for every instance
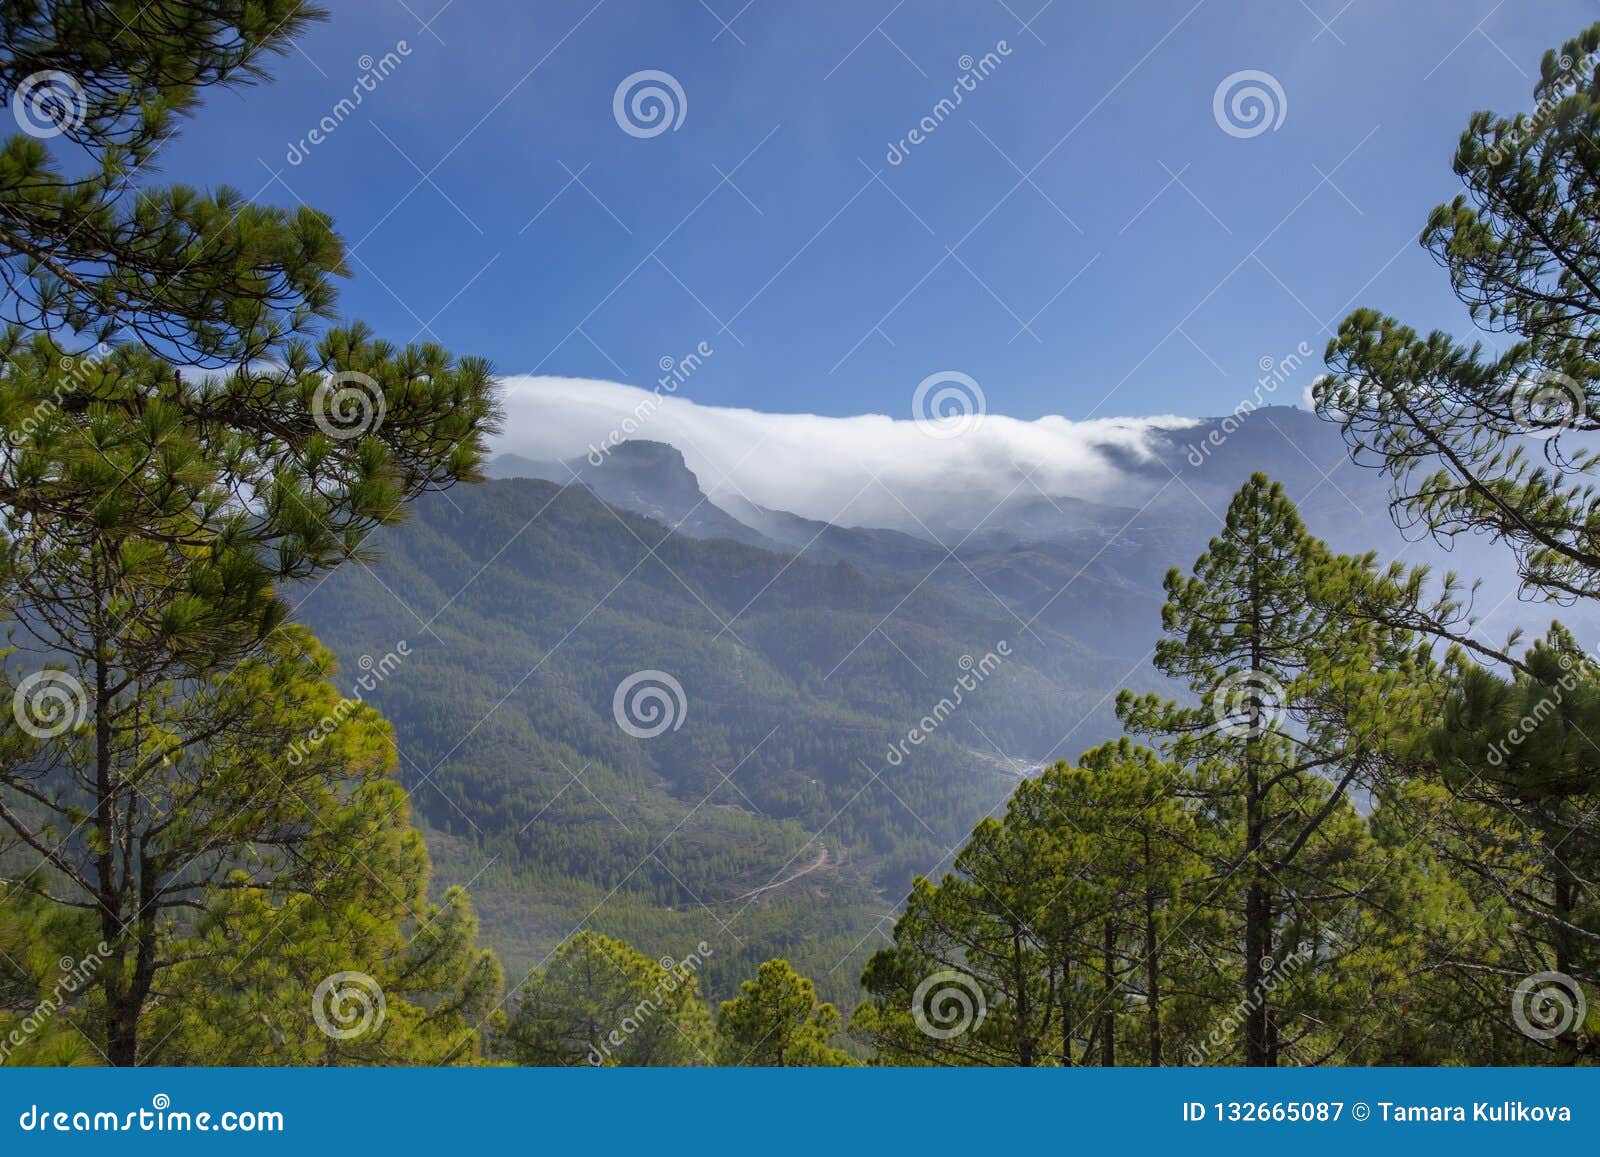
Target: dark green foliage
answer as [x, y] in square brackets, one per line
[1288, 683]
[1500, 445]
[1446, 419]
[182, 435]
[1519, 759]
[89, 248]
[1045, 941]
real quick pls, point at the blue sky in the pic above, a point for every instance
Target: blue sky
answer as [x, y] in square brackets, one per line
[1080, 236]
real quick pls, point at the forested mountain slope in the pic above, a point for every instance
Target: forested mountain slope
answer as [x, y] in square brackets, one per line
[524, 605]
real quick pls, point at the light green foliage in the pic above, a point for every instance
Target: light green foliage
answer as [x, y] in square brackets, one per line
[264, 864]
[1056, 915]
[48, 965]
[776, 1021]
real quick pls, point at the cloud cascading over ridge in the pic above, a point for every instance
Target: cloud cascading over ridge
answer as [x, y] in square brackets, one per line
[863, 470]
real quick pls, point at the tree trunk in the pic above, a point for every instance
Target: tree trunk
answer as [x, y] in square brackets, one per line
[1152, 966]
[123, 999]
[1019, 976]
[1065, 1010]
[1257, 902]
[1565, 892]
[1108, 1039]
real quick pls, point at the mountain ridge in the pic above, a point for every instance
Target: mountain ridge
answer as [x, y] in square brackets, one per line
[807, 654]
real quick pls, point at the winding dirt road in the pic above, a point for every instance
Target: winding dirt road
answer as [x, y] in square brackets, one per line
[820, 862]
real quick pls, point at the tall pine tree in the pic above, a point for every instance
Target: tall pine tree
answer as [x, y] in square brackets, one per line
[1293, 694]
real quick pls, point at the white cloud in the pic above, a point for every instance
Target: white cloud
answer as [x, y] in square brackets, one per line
[863, 470]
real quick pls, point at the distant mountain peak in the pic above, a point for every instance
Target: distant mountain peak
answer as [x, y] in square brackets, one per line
[646, 452]
[644, 477]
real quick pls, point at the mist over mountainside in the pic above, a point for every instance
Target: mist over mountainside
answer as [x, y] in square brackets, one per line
[807, 652]
[1008, 535]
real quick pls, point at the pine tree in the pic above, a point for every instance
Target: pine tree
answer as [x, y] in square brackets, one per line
[89, 246]
[601, 1002]
[1293, 696]
[246, 801]
[1447, 420]
[776, 1021]
[1047, 942]
[1498, 443]
[49, 964]
[971, 979]
[1523, 747]
[184, 436]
